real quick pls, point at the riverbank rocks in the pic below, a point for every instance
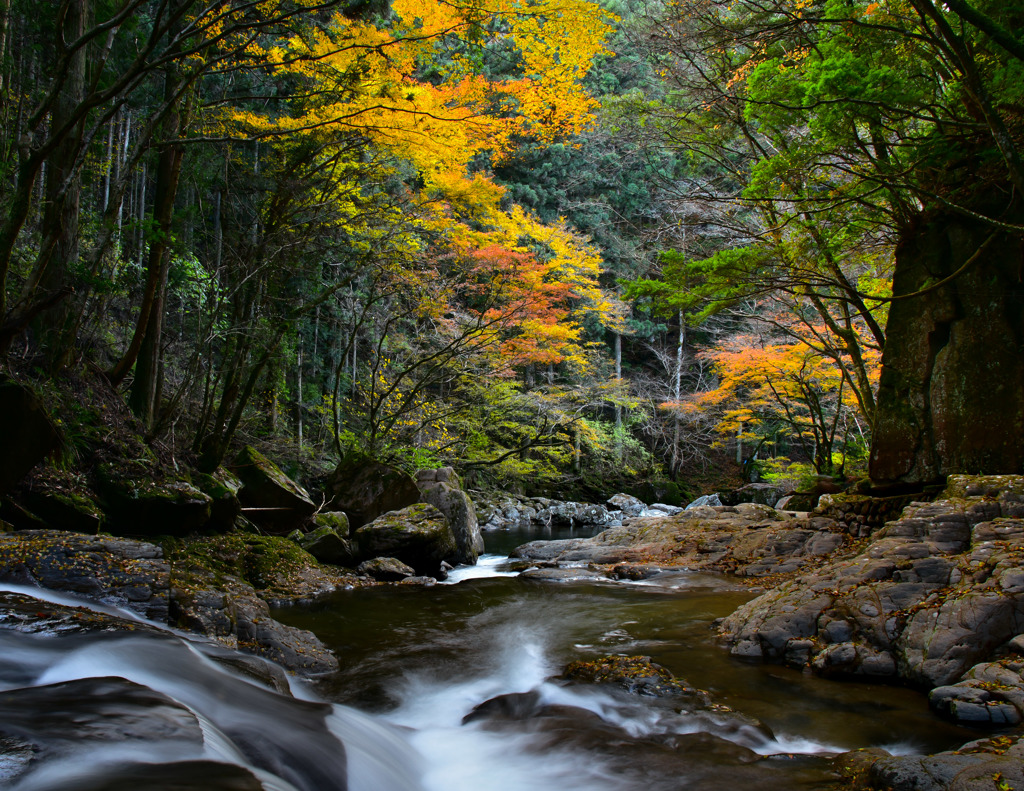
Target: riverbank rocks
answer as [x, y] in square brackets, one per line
[747, 539]
[442, 489]
[269, 497]
[128, 574]
[364, 489]
[326, 544]
[418, 535]
[924, 599]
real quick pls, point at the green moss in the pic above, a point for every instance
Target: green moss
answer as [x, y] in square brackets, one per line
[265, 562]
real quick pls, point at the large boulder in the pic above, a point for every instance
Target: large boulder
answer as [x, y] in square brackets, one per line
[29, 436]
[441, 488]
[129, 574]
[269, 497]
[364, 489]
[418, 535]
[137, 505]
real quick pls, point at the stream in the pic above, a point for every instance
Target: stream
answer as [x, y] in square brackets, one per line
[423, 660]
[454, 687]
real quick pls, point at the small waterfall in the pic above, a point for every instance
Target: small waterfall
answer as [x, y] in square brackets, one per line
[102, 709]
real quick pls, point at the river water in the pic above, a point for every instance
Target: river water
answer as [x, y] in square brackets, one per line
[449, 688]
[424, 659]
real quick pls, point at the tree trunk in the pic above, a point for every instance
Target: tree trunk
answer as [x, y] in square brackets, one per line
[146, 343]
[951, 393]
[59, 249]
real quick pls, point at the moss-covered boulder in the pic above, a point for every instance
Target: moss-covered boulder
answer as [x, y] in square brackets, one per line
[442, 489]
[326, 544]
[418, 535]
[364, 489]
[75, 511]
[279, 570]
[269, 497]
[28, 434]
[140, 506]
[222, 487]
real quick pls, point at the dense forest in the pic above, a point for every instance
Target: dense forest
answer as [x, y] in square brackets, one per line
[553, 243]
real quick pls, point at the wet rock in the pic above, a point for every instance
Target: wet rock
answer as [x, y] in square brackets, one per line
[29, 435]
[418, 535]
[364, 489]
[56, 721]
[228, 609]
[441, 488]
[269, 497]
[635, 571]
[637, 675]
[515, 706]
[386, 569]
[126, 573]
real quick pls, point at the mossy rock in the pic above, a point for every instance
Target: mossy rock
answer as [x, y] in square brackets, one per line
[327, 546]
[635, 674]
[418, 535]
[269, 497]
[76, 512]
[143, 507]
[222, 487]
[335, 520]
[267, 563]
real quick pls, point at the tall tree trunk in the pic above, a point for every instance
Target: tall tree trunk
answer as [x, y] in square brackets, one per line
[59, 249]
[146, 343]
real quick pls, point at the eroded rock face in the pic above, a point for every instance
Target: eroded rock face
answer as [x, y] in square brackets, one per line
[129, 574]
[442, 489]
[930, 596]
[418, 535]
[364, 489]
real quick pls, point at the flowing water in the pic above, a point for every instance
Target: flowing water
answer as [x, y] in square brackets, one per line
[403, 711]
